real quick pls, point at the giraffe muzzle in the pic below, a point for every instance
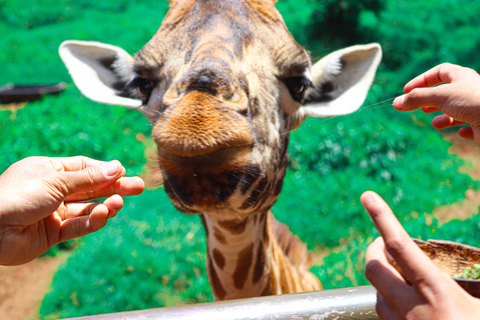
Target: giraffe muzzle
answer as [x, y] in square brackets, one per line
[199, 124]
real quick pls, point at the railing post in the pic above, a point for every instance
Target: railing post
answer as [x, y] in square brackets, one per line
[348, 303]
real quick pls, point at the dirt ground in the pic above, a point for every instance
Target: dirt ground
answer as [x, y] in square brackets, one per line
[468, 151]
[22, 287]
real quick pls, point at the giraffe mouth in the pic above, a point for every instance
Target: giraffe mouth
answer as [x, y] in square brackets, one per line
[200, 183]
[225, 159]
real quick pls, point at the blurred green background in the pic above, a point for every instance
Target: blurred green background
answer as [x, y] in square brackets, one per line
[153, 256]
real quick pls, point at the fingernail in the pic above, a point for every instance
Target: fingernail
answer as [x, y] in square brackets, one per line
[110, 168]
[398, 102]
[368, 200]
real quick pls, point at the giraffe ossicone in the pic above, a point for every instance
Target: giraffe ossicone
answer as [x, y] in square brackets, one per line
[223, 83]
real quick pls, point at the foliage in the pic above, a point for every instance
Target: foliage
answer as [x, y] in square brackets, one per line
[322, 24]
[23, 33]
[149, 256]
[337, 22]
[417, 35]
[70, 125]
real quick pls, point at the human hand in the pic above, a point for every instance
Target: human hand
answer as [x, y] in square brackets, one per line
[429, 293]
[458, 97]
[39, 202]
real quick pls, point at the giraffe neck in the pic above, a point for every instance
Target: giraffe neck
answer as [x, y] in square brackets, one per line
[244, 259]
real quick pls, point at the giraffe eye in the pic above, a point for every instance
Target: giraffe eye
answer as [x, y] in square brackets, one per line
[232, 97]
[144, 87]
[297, 87]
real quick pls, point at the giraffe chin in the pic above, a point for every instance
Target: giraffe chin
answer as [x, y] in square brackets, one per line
[204, 183]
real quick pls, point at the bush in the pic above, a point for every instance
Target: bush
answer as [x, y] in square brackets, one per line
[416, 35]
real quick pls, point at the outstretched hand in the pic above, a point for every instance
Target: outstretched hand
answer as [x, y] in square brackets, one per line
[428, 294]
[457, 96]
[39, 202]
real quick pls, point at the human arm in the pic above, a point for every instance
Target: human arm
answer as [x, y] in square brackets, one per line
[428, 294]
[452, 89]
[39, 202]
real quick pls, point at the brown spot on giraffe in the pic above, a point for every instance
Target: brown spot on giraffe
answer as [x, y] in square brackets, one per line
[258, 270]
[244, 264]
[223, 83]
[219, 236]
[219, 258]
[215, 282]
[236, 226]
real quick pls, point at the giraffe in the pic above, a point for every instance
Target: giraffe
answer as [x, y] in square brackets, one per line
[223, 83]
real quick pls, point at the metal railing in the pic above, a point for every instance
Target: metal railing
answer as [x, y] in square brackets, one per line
[349, 303]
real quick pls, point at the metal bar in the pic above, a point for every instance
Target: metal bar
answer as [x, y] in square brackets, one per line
[349, 303]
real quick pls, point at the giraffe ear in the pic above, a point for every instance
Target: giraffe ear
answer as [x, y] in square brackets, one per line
[100, 71]
[343, 79]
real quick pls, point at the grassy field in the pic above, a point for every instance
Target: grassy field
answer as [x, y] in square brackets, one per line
[153, 256]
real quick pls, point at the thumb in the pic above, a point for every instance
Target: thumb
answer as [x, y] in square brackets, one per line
[90, 178]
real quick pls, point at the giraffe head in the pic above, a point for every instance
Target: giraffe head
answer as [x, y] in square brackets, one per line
[223, 82]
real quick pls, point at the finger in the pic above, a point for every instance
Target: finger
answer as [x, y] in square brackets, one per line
[83, 225]
[422, 97]
[429, 109]
[443, 73]
[90, 178]
[77, 163]
[415, 265]
[75, 210]
[466, 133]
[114, 204]
[383, 276]
[74, 163]
[384, 310]
[128, 186]
[444, 121]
